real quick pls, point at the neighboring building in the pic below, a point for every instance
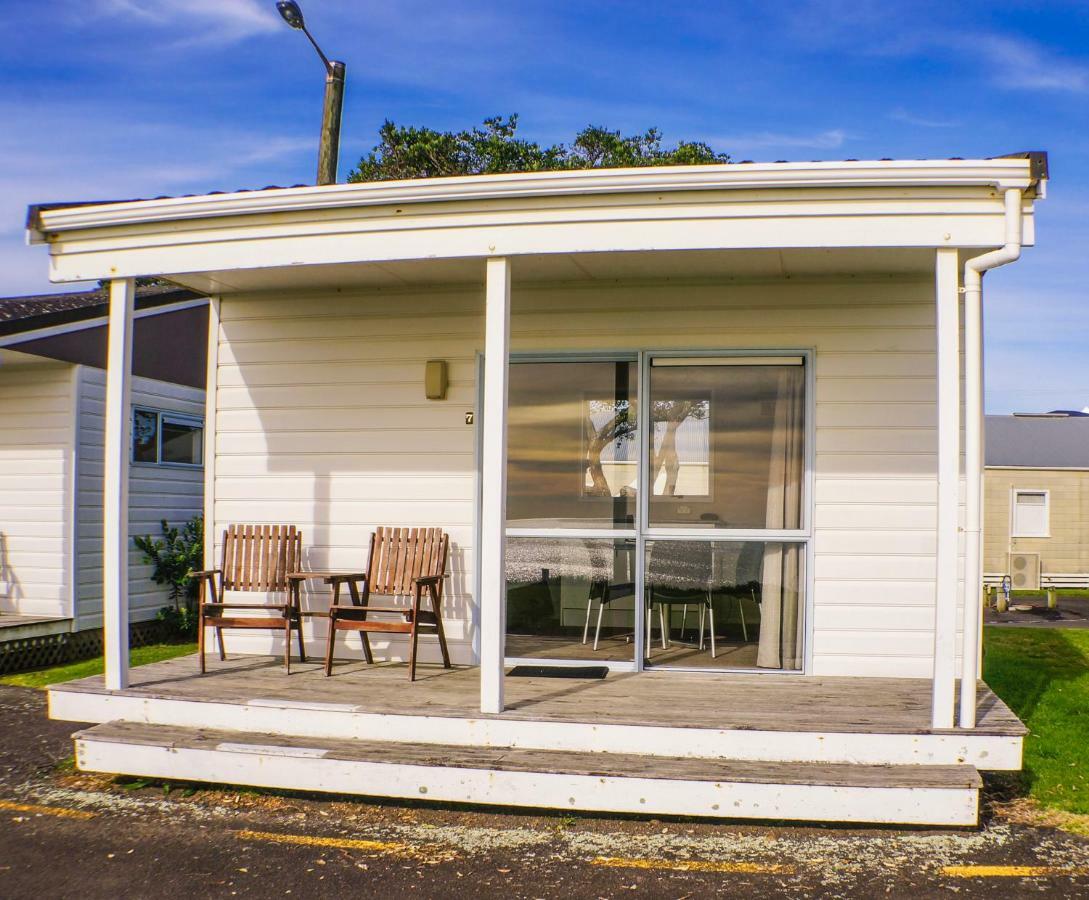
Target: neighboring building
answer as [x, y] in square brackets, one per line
[52, 402]
[733, 386]
[1037, 493]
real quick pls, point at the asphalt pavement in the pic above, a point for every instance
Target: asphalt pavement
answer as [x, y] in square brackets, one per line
[66, 835]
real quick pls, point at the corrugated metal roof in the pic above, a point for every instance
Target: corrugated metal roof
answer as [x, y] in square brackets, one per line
[29, 313]
[1045, 441]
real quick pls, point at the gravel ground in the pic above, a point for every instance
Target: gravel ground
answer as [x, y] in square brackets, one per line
[63, 834]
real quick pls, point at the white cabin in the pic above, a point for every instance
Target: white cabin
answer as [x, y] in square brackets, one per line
[702, 428]
[52, 438]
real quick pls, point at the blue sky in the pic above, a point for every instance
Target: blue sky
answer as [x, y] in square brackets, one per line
[134, 98]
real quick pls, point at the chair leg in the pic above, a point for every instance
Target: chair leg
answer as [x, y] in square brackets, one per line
[711, 615]
[412, 653]
[597, 630]
[586, 625]
[647, 620]
[222, 648]
[200, 639]
[741, 612]
[684, 619]
[302, 646]
[440, 631]
[329, 641]
[287, 647]
[703, 623]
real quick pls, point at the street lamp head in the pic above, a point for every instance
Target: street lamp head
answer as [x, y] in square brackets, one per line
[291, 13]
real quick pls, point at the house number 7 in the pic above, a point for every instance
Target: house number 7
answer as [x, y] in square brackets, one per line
[468, 418]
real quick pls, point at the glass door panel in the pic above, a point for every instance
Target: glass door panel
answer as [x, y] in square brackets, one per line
[571, 598]
[725, 444]
[724, 604]
[571, 445]
[572, 472]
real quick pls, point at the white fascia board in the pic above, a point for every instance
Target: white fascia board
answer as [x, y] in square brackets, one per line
[997, 173]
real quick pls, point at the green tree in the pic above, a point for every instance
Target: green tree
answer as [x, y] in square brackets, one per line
[411, 152]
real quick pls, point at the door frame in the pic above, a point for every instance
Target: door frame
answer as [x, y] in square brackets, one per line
[642, 532]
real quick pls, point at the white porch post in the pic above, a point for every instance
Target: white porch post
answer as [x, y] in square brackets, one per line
[115, 502]
[947, 555]
[211, 393]
[493, 513]
[973, 513]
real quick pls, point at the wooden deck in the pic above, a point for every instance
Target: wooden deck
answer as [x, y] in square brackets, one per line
[669, 699]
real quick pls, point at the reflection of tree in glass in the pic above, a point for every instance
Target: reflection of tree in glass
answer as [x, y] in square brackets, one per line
[607, 422]
[612, 422]
[672, 414]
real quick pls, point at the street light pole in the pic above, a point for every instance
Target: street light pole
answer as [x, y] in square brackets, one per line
[329, 148]
[333, 105]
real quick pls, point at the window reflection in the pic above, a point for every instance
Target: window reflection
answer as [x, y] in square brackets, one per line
[571, 598]
[571, 445]
[724, 604]
[727, 445]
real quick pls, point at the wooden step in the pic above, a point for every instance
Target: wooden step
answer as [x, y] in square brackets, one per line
[550, 779]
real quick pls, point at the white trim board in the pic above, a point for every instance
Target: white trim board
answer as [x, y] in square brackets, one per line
[984, 751]
[312, 768]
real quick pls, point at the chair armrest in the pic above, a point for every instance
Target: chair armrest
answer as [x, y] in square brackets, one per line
[246, 605]
[205, 573]
[428, 579]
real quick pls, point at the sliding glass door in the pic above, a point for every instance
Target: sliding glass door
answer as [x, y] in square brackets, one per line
[572, 473]
[656, 511]
[725, 544]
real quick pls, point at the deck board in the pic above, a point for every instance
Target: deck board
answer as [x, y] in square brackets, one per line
[672, 699]
[623, 765]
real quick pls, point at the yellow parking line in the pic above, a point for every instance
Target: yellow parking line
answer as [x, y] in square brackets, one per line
[35, 809]
[308, 840]
[693, 865]
[1008, 871]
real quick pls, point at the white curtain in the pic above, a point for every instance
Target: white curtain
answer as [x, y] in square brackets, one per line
[780, 614]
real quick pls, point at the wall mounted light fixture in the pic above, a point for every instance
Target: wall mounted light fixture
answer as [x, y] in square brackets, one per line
[436, 379]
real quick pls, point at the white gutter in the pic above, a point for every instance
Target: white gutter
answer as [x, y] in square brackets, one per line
[973, 447]
[1003, 173]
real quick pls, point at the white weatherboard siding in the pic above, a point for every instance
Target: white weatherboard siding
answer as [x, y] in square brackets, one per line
[323, 423]
[174, 493]
[36, 439]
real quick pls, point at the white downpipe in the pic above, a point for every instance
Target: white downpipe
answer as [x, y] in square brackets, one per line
[973, 448]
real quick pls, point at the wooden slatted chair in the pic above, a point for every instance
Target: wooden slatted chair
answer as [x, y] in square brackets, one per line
[403, 563]
[256, 558]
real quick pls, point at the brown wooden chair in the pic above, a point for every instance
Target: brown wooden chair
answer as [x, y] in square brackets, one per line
[402, 563]
[255, 558]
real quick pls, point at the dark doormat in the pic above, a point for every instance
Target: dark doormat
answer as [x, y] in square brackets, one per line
[559, 672]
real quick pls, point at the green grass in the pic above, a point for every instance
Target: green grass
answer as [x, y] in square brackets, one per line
[1043, 675]
[140, 656]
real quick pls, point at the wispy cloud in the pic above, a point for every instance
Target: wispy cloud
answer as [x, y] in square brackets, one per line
[902, 115]
[1022, 65]
[197, 21]
[769, 140]
[122, 155]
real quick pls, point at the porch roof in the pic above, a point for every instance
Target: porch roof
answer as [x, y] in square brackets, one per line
[204, 241]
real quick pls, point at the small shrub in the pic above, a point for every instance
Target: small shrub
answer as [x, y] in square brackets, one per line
[179, 553]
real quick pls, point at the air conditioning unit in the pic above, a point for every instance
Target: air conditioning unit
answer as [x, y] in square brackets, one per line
[1024, 569]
